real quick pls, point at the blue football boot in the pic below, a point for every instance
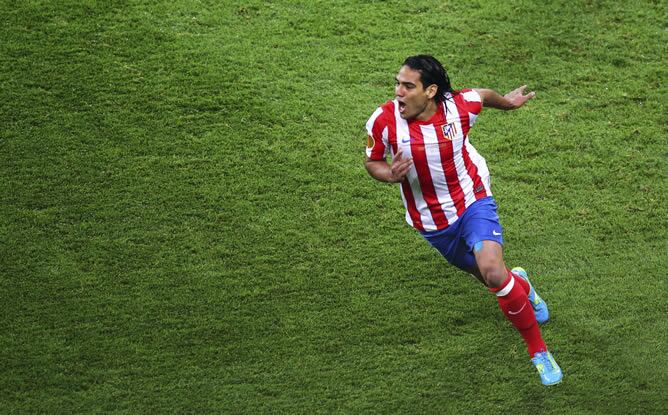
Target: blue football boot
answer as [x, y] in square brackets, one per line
[537, 303]
[548, 369]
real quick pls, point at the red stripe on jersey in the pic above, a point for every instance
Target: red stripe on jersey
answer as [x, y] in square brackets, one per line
[463, 110]
[474, 107]
[471, 168]
[424, 176]
[451, 176]
[413, 211]
[377, 129]
[412, 208]
[378, 147]
[388, 109]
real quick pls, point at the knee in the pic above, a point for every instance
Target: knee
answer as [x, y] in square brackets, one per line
[494, 276]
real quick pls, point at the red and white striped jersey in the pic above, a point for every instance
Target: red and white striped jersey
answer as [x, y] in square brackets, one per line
[448, 174]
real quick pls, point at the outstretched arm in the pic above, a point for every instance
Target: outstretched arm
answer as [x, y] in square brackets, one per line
[512, 100]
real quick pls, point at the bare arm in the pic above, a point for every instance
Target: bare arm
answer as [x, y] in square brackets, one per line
[381, 170]
[512, 100]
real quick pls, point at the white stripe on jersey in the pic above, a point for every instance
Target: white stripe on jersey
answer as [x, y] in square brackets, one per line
[384, 136]
[472, 96]
[472, 118]
[465, 181]
[369, 129]
[372, 120]
[480, 163]
[408, 215]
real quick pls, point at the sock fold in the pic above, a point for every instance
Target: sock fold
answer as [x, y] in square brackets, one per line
[524, 283]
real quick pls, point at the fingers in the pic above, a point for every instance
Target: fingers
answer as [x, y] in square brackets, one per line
[398, 159]
[529, 95]
[399, 173]
[518, 98]
[404, 164]
[520, 92]
[400, 167]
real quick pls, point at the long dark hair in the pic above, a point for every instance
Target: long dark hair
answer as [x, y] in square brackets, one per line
[431, 72]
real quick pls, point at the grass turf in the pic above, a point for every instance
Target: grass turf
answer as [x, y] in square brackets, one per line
[186, 224]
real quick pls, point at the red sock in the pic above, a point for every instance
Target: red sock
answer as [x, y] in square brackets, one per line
[517, 308]
[522, 282]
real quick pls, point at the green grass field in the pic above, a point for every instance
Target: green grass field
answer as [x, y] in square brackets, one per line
[186, 224]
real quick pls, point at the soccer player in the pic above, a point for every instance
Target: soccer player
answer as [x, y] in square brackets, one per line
[445, 187]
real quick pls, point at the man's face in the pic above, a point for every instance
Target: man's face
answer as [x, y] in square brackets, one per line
[414, 99]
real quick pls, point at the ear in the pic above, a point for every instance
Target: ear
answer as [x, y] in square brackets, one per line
[432, 90]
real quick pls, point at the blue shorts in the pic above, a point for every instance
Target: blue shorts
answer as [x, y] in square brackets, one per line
[480, 222]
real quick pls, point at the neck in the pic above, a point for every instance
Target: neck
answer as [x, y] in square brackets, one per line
[428, 111]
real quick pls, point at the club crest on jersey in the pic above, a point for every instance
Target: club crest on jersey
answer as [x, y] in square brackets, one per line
[369, 141]
[449, 131]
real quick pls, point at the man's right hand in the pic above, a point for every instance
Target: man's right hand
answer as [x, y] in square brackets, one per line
[400, 167]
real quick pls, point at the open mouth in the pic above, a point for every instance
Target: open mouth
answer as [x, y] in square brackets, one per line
[402, 106]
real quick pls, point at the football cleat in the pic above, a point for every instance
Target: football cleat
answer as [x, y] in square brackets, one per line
[539, 306]
[548, 369]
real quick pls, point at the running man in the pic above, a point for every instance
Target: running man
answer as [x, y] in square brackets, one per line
[445, 187]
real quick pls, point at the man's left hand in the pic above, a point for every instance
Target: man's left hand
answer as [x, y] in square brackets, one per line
[517, 98]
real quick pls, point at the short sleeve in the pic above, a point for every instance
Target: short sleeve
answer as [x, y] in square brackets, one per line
[377, 145]
[472, 101]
